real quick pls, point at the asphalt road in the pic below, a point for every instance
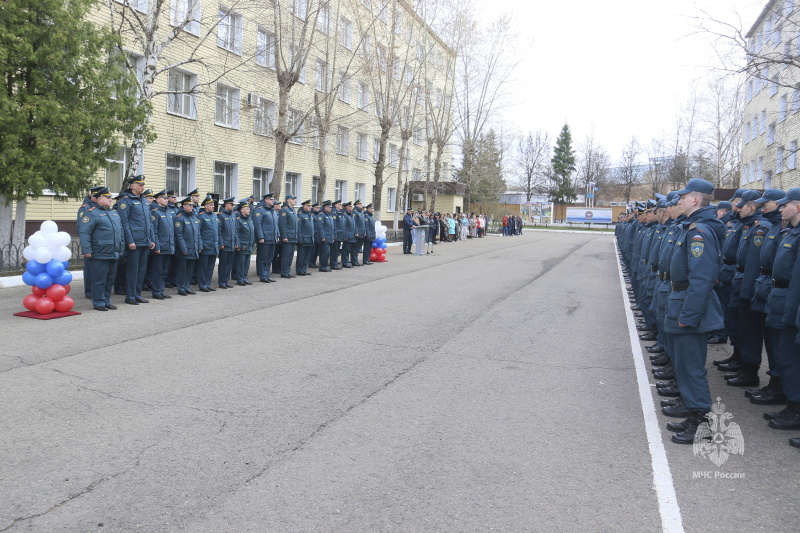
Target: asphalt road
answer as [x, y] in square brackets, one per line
[488, 388]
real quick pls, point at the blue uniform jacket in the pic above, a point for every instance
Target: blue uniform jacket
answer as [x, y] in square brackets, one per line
[287, 224]
[696, 261]
[228, 236]
[358, 216]
[325, 227]
[305, 228]
[163, 220]
[187, 235]
[100, 231]
[763, 284]
[729, 249]
[247, 234]
[338, 224]
[369, 227]
[748, 257]
[266, 224]
[408, 222]
[134, 212]
[349, 226]
[209, 233]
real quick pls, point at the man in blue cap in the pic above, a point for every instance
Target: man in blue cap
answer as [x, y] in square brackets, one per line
[246, 243]
[782, 315]
[324, 233]
[693, 309]
[337, 214]
[88, 202]
[102, 244]
[287, 227]
[137, 226]
[187, 243]
[349, 235]
[228, 241]
[163, 220]
[209, 244]
[266, 226]
[305, 239]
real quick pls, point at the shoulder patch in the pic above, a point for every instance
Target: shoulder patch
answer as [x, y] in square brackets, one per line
[123, 205]
[80, 214]
[91, 208]
[177, 224]
[85, 219]
[758, 239]
[697, 248]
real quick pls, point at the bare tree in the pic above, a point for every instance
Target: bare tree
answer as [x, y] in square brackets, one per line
[658, 167]
[533, 154]
[722, 118]
[627, 172]
[593, 163]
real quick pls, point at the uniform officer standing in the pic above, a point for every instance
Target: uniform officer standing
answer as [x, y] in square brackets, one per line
[369, 234]
[136, 224]
[187, 239]
[324, 234]
[227, 243]
[88, 201]
[693, 309]
[408, 225]
[163, 221]
[266, 228]
[358, 217]
[305, 239]
[337, 215]
[287, 227]
[276, 257]
[102, 243]
[247, 241]
[312, 261]
[209, 244]
[348, 243]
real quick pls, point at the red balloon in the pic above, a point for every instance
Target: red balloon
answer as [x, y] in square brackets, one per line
[45, 306]
[67, 288]
[380, 251]
[30, 302]
[56, 292]
[38, 292]
[373, 256]
[65, 304]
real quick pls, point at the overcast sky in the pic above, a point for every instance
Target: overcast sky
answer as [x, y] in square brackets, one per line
[621, 67]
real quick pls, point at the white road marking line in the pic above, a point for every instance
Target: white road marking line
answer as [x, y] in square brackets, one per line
[668, 508]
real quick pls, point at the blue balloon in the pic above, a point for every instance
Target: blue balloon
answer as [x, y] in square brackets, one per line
[63, 279]
[66, 265]
[35, 267]
[375, 244]
[44, 280]
[55, 268]
[383, 246]
[28, 278]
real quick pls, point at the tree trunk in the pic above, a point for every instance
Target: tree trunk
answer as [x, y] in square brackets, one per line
[18, 238]
[400, 173]
[436, 173]
[281, 138]
[148, 78]
[322, 164]
[427, 175]
[379, 167]
[6, 220]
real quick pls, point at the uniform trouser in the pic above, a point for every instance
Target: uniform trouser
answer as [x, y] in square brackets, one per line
[789, 360]
[148, 275]
[312, 258]
[276, 259]
[335, 248]
[235, 266]
[87, 278]
[166, 268]
[287, 254]
[226, 260]
[346, 253]
[205, 270]
[134, 274]
[724, 295]
[122, 268]
[242, 266]
[689, 359]
[406, 241]
[158, 263]
[102, 273]
[752, 334]
[324, 250]
[355, 250]
[264, 253]
[304, 252]
[184, 268]
[367, 250]
[172, 272]
[771, 342]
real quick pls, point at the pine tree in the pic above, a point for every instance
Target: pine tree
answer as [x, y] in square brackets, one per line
[488, 183]
[67, 98]
[563, 162]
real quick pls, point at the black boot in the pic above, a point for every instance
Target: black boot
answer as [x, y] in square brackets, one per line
[677, 410]
[686, 435]
[716, 339]
[669, 392]
[666, 384]
[649, 336]
[772, 415]
[673, 401]
[734, 364]
[661, 360]
[666, 373]
[727, 360]
[654, 349]
[790, 418]
[748, 377]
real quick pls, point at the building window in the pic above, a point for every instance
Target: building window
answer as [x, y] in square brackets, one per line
[262, 177]
[324, 19]
[417, 136]
[186, 12]
[763, 129]
[322, 76]
[180, 174]
[138, 5]
[340, 193]
[295, 125]
[773, 85]
[301, 63]
[744, 174]
[753, 170]
[383, 59]
[405, 161]
[782, 108]
[747, 133]
[264, 117]
[182, 94]
[398, 23]
[779, 160]
[378, 105]
[361, 146]
[290, 186]
[391, 199]
[315, 189]
[771, 134]
[365, 48]
[363, 96]
[229, 31]
[225, 178]
[117, 168]
[383, 14]
[360, 192]
[393, 155]
[227, 112]
[791, 160]
[346, 33]
[765, 78]
[265, 48]
[343, 141]
[376, 149]
[300, 9]
[760, 167]
[768, 179]
[397, 68]
[343, 93]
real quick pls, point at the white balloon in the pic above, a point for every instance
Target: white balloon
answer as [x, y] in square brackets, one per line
[48, 226]
[62, 254]
[53, 240]
[37, 241]
[66, 238]
[29, 253]
[43, 255]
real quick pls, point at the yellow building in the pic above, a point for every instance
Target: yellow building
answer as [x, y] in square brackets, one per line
[214, 115]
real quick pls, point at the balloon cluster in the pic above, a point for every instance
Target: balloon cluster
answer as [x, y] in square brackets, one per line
[378, 252]
[46, 271]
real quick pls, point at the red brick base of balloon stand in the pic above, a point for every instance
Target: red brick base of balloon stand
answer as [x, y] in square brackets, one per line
[48, 316]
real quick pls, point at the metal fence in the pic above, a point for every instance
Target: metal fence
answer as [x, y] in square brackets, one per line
[13, 262]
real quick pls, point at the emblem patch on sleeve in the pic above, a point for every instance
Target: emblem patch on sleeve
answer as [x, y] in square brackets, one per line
[758, 240]
[123, 206]
[85, 219]
[697, 248]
